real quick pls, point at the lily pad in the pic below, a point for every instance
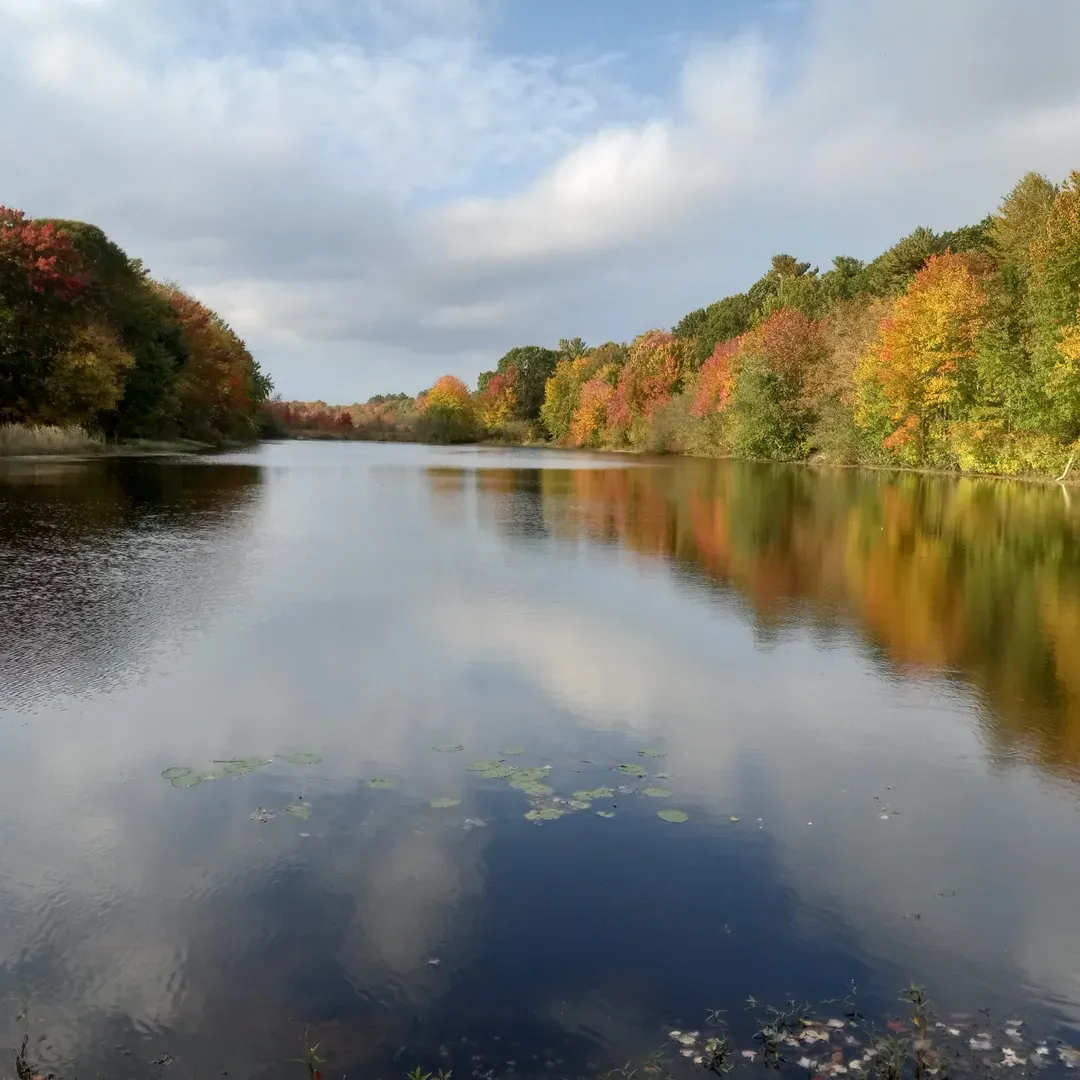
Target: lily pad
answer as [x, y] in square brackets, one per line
[595, 793]
[176, 771]
[535, 775]
[545, 813]
[498, 772]
[302, 757]
[657, 793]
[483, 766]
[580, 804]
[300, 810]
[249, 762]
[632, 770]
[512, 751]
[652, 752]
[448, 747]
[535, 791]
[444, 802]
[236, 769]
[605, 813]
[676, 817]
[380, 782]
[189, 779]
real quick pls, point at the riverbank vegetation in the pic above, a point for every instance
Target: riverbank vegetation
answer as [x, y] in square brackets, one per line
[957, 350]
[93, 347]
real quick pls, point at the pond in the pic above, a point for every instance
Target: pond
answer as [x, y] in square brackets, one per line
[517, 760]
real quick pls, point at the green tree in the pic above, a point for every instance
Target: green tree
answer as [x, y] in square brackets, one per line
[534, 366]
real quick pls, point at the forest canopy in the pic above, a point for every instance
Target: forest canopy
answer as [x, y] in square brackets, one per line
[88, 337]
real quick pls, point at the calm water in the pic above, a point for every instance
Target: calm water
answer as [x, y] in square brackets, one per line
[895, 660]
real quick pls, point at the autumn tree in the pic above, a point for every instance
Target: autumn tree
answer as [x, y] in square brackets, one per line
[919, 376]
[41, 278]
[591, 414]
[448, 412]
[498, 402]
[771, 413]
[657, 363]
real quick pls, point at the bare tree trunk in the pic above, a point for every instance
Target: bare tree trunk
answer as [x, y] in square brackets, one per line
[1072, 458]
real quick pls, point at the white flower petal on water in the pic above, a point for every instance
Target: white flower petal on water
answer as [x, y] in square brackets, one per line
[750, 1055]
[805, 1063]
[835, 1023]
[687, 1053]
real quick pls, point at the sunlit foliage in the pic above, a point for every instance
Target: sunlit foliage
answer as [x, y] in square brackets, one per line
[88, 337]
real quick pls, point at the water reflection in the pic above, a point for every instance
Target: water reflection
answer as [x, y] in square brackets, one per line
[970, 578]
[90, 555]
[369, 603]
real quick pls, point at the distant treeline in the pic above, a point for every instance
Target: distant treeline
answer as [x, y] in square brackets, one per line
[88, 337]
[956, 350]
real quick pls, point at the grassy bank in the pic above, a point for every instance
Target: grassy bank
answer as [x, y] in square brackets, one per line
[73, 440]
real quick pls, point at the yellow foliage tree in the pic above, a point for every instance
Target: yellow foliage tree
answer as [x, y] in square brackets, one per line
[87, 376]
[919, 374]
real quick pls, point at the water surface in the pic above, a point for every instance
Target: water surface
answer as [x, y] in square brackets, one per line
[878, 676]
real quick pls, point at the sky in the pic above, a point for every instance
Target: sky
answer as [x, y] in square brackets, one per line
[377, 192]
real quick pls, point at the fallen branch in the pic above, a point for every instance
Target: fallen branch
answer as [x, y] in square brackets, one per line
[1068, 466]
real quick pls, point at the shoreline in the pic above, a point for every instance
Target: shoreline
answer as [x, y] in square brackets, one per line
[1071, 480]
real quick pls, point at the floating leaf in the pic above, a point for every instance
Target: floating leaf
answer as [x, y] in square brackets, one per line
[663, 776]
[249, 762]
[445, 802]
[379, 782]
[177, 771]
[580, 804]
[512, 751]
[189, 779]
[605, 813]
[657, 793]
[676, 817]
[545, 813]
[596, 793]
[448, 747]
[534, 775]
[236, 769]
[483, 766]
[300, 810]
[498, 772]
[302, 757]
[652, 752]
[536, 791]
[632, 770]
[263, 815]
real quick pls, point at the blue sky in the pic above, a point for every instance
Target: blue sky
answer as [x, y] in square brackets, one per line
[375, 192]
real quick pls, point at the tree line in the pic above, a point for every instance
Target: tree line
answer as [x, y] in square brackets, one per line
[957, 350]
[88, 337]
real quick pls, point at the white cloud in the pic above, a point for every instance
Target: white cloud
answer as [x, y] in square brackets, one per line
[365, 180]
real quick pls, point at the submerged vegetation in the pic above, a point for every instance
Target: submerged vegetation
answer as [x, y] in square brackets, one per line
[91, 346]
[957, 350]
[798, 1039]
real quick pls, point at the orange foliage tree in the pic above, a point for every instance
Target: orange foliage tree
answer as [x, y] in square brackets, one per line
[920, 374]
[500, 398]
[716, 380]
[652, 373]
[591, 415]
